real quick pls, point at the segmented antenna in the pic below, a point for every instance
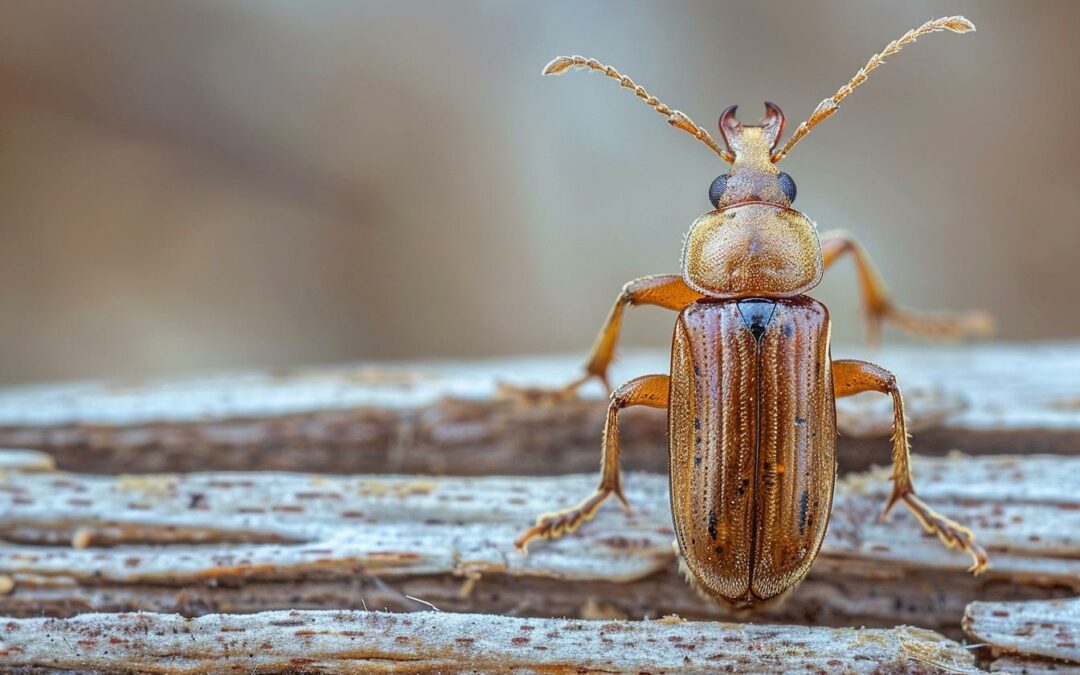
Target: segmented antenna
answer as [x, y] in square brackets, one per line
[675, 118]
[956, 24]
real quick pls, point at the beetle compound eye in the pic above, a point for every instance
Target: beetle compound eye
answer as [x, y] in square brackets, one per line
[718, 186]
[787, 184]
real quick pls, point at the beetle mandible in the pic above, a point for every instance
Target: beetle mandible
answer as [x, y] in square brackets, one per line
[752, 386]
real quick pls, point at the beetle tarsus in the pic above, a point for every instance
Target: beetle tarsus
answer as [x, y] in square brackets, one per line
[941, 325]
[557, 524]
[950, 532]
[540, 396]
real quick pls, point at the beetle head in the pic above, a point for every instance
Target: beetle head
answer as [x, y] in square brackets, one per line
[753, 175]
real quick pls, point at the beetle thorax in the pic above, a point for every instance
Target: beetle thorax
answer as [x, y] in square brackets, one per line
[753, 249]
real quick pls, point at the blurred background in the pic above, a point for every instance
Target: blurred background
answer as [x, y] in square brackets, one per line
[199, 185]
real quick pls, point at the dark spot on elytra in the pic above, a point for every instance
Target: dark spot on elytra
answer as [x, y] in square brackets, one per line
[697, 460]
[744, 484]
[799, 421]
[804, 508]
[789, 329]
[719, 550]
[697, 424]
[712, 525]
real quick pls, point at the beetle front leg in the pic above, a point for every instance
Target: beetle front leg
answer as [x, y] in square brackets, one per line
[853, 377]
[649, 390]
[880, 307]
[662, 290]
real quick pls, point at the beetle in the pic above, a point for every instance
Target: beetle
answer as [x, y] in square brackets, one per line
[752, 385]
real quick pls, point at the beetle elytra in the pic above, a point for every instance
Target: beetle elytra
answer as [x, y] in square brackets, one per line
[752, 386]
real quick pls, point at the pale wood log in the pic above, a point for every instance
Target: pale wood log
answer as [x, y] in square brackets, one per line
[1040, 628]
[244, 542]
[17, 459]
[447, 417]
[355, 642]
[1021, 665]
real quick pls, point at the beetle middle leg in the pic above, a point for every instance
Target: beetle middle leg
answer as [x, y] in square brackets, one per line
[853, 377]
[879, 306]
[662, 290]
[648, 390]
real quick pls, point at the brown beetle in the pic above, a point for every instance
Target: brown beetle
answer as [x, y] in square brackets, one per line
[752, 389]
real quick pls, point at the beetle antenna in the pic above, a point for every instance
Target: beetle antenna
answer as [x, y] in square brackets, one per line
[956, 24]
[675, 118]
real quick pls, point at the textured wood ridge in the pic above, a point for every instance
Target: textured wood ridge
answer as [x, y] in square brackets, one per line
[246, 542]
[447, 417]
[348, 642]
[1049, 629]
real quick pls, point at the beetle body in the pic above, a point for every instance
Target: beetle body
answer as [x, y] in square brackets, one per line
[751, 410]
[752, 443]
[752, 386]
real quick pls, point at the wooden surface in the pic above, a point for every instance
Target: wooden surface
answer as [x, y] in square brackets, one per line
[447, 417]
[351, 642]
[246, 542]
[227, 549]
[1046, 630]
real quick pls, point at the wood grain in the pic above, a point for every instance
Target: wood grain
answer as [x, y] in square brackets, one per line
[448, 417]
[245, 542]
[426, 642]
[1041, 628]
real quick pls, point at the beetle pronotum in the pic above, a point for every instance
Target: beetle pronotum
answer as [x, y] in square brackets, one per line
[752, 387]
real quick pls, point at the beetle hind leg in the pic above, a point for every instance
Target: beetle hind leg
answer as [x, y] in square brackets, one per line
[649, 390]
[853, 377]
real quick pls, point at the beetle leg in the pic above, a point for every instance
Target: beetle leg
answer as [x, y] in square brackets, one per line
[648, 390]
[662, 290]
[852, 377]
[879, 306]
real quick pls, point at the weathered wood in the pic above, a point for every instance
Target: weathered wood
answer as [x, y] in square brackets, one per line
[244, 542]
[352, 642]
[16, 459]
[1028, 630]
[447, 417]
[1021, 665]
